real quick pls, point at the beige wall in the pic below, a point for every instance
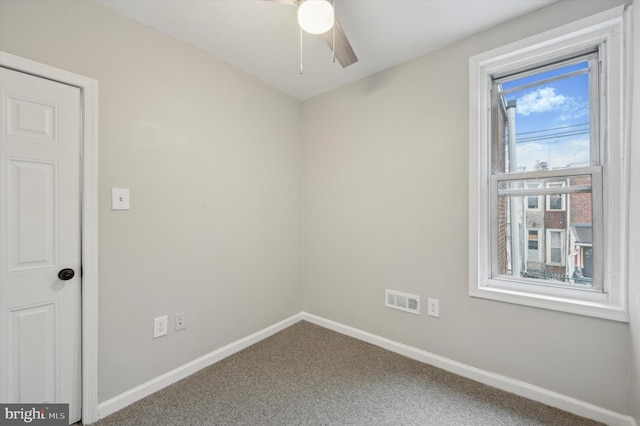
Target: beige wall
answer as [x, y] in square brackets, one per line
[386, 206]
[211, 156]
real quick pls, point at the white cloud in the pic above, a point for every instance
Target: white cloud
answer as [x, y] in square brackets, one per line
[574, 108]
[558, 154]
[543, 99]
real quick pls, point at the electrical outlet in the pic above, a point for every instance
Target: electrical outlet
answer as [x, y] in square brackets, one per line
[181, 321]
[160, 326]
[433, 307]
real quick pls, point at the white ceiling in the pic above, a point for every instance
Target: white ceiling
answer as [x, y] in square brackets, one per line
[262, 37]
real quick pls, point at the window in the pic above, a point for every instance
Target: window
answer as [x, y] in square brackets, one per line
[533, 239]
[546, 123]
[533, 247]
[533, 202]
[544, 135]
[556, 201]
[555, 247]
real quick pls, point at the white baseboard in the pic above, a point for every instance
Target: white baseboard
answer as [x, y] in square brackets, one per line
[129, 397]
[517, 387]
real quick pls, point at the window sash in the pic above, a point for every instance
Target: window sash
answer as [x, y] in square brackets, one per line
[597, 219]
[593, 57]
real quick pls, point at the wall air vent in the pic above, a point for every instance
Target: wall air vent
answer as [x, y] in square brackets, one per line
[402, 301]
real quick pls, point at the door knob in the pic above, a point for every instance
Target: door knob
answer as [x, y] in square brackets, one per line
[66, 274]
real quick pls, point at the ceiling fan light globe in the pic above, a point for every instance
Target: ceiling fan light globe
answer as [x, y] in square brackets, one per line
[315, 16]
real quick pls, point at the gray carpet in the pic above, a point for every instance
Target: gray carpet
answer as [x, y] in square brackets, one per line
[308, 375]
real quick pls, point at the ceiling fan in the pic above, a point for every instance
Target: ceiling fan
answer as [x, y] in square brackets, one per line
[329, 27]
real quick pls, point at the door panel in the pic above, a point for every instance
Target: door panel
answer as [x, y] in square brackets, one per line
[39, 236]
[31, 217]
[27, 118]
[32, 374]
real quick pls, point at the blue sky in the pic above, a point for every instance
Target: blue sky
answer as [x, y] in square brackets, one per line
[552, 118]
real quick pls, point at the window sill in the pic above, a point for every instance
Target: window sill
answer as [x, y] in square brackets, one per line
[591, 304]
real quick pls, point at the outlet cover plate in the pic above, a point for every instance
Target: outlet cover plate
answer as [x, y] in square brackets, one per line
[160, 325]
[433, 307]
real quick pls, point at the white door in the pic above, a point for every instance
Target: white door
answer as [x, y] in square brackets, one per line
[39, 237]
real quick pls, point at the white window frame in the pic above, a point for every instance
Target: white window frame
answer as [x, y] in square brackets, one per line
[609, 32]
[562, 247]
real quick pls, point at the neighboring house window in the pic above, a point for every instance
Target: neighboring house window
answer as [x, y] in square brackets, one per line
[555, 246]
[533, 202]
[533, 245]
[547, 123]
[533, 239]
[556, 201]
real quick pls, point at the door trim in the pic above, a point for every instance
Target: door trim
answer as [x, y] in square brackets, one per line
[89, 218]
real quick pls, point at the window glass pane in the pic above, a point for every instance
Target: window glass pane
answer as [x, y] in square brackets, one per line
[555, 202]
[555, 247]
[533, 241]
[551, 245]
[543, 120]
[544, 74]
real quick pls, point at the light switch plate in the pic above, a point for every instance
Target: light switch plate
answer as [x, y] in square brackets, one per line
[119, 198]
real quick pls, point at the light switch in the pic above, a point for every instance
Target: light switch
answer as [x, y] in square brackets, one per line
[119, 198]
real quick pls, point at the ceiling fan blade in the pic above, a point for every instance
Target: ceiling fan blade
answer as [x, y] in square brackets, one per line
[287, 2]
[344, 52]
